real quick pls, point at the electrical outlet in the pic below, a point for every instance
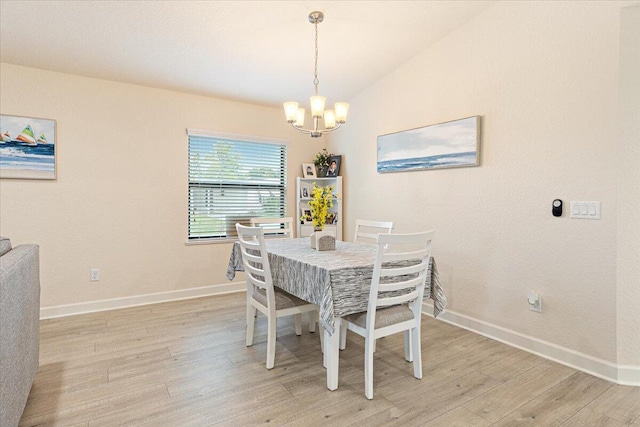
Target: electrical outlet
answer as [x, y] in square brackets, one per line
[535, 301]
[94, 275]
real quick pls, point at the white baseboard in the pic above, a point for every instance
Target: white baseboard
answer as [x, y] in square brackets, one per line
[136, 300]
[629, 375]
[624, 375]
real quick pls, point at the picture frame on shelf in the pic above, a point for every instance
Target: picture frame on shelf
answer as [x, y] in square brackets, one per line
[305, 191]
[305, 214]
[332, 218]
[334, 166]
[309, 170]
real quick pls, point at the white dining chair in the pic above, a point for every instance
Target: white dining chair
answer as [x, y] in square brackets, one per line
[263, 296]
[395, 298]
[275, 227]
[367, 231]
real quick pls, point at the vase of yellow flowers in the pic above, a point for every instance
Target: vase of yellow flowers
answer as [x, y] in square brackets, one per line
[320, 203]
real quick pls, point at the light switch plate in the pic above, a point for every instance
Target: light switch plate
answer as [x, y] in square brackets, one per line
[585, 210]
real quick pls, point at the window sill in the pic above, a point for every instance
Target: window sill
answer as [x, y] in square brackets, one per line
[208, 242]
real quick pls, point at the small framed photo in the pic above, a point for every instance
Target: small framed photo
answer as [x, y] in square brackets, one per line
[305, 214]
[309, 170]
[332, 218]
[334, 166]
[305, 191]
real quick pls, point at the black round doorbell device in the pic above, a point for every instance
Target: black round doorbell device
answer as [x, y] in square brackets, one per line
[556, 207]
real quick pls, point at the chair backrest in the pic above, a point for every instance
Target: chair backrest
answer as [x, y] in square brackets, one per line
[400, 271]
[275, 227]
[255, 261]
[367, 231]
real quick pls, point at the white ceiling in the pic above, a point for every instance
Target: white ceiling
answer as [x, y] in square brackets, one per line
[253, 51]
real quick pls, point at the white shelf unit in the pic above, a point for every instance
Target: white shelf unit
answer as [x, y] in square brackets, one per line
[302, 204]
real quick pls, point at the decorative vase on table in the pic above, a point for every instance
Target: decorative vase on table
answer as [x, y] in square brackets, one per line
[322, 240]
[322, 171]
[312, 237]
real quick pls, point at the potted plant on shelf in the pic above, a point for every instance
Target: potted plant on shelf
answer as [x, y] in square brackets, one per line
[320, 203]
[322, 162]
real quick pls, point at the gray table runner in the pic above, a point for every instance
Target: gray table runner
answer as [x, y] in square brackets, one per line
[338, 281]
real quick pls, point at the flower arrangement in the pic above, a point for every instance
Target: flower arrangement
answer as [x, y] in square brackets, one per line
[322, 161]
[321, 202]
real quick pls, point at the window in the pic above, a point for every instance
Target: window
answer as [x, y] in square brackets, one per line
[232, 179]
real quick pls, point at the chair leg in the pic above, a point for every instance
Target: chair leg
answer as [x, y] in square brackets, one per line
[299, 324]
[251, 320]
[343, 335]
[408, 356]
[271, 341]
[313, 319]
[417, 353]
[368, 367]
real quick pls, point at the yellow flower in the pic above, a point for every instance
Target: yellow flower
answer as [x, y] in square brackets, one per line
[321, 202]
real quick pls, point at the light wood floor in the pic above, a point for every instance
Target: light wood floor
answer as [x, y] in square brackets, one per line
[185, 364]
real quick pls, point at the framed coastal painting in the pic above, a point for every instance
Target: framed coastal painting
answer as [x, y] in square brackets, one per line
[27, 147]
[451, 144]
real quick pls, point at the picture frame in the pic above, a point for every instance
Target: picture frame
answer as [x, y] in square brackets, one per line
[305, 214]
[309, 170]
[334, 166]
[305, 191]
[332, 218]
[452, 144]
[27, 147]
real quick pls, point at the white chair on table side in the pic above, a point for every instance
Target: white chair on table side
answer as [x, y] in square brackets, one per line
[367, 231]
[263, 296]
[388, 315]
[282, 226]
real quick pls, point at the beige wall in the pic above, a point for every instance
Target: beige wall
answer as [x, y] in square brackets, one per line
[544, 78]
[629, 190]
[120, 201]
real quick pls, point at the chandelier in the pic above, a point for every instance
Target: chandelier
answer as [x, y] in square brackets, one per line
[333, 119]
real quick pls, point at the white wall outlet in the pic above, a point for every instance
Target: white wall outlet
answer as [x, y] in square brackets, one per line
[94, 275]
[535, 301]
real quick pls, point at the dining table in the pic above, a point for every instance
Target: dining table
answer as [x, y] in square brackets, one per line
[338, 281]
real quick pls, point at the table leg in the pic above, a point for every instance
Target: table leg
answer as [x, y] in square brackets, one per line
[332, 355]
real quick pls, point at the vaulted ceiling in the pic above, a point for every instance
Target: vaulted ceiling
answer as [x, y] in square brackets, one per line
[252, 51]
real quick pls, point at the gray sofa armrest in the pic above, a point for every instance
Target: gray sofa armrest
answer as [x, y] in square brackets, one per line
[19, 329]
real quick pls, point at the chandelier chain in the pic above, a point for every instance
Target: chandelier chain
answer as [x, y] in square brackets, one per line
[315, 80]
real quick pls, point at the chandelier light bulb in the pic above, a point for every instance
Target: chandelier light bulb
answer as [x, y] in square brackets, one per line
[291, 111]
[342, 108]
[329, 119]
[317, 105]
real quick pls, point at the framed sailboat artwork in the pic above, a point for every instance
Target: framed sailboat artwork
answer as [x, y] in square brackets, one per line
[27, 147]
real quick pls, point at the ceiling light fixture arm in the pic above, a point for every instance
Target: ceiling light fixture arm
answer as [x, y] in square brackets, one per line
[315, 132]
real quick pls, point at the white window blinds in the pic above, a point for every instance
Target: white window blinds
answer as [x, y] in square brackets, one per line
[231, 180]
